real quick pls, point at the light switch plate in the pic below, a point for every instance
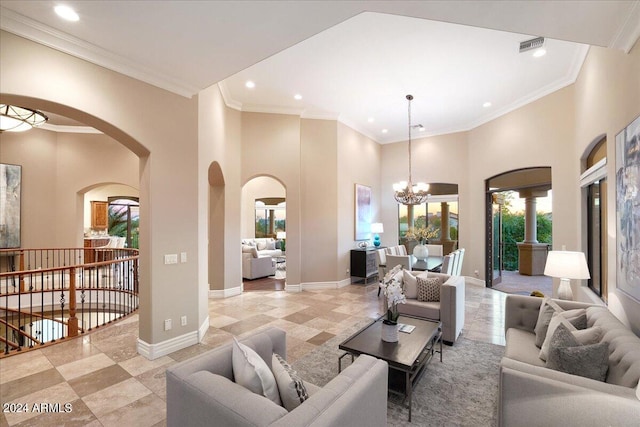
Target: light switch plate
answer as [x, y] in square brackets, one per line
[171, 259]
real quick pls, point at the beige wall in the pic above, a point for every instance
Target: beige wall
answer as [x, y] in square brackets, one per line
[58, 169]
[258, 187]
[359, 162]
[607, 100]
[319, 206]
[159, 127]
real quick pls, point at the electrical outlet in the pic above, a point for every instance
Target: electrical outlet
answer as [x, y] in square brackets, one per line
[167, 324]
[347, 271]
[183, 321]
[477, 273]
[183, 257]
[171, 259]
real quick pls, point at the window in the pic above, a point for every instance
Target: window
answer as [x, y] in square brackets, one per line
[594, 181]
[124, 219]
[430, 215]
[271, 217]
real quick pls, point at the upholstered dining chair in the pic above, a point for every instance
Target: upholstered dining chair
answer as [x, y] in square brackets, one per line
[454, 261]
[447, 265]
[381, 257]
[435, 250]
[403, 260]
[458, 271]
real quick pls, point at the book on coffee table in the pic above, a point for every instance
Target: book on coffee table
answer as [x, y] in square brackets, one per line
[402, 327]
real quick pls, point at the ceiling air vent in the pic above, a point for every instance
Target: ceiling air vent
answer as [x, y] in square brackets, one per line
[531, 44]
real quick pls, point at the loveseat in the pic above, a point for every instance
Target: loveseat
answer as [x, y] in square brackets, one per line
[257, 257]
[201, 392]
[532, 394]
[449, 310]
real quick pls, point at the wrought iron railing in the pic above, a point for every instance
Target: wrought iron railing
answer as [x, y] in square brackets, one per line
[48, 295]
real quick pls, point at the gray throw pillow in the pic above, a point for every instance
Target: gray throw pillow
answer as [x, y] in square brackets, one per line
[547, 309]
[290, 385]
[567, 355]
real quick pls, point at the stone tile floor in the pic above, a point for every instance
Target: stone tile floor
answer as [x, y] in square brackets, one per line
[100, 380]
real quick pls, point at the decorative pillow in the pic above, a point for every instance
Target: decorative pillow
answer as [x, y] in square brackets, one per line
[278, 244]
[588, 336]
[254, 252]
[262, 245]
[253, 373]
[428, 289]
[411, 284]
[547, 308]
[572, 324]
[247, 248]
[567, 355]
[271, 245]
[290, 386]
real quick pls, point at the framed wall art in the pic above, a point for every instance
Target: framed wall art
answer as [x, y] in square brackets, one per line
[628, 210]
[10, 194]
[363, 212]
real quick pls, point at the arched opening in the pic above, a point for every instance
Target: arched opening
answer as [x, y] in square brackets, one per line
[263, 231]
[518, 230]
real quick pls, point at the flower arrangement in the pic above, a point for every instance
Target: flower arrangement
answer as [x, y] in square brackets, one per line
[421, 234]
[394, 294]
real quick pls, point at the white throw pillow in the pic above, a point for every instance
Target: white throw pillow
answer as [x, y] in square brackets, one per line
[261, 244]
[290, 385]
[253, 373]
[271, 245]
[411, 283]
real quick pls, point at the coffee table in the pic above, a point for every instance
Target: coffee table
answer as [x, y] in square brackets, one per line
[407, 358]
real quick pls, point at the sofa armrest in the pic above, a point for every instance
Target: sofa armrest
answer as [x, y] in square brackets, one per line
[452, 307]
[203, 398]
[356, 397]
[536, 396]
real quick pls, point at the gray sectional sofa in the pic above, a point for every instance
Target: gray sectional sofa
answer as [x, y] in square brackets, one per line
[533, 395]
[201, 392]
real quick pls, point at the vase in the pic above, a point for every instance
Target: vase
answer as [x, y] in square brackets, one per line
[389, 331]
[421, 252]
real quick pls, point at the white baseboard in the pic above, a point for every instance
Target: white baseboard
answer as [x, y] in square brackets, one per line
[154, 351]
[225, 293]
[316, 286]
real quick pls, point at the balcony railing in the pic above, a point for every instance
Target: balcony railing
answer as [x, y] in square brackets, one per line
[49, 295]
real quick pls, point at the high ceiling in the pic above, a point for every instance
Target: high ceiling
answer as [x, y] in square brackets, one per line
[350, 60]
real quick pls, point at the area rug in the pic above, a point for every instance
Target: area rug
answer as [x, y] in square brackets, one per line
[460, 391]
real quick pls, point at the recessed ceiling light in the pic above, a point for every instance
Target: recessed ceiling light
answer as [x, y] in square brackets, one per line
[370, 120]
[539, 52]
[297, 96]
[486, 104]
[65, 12]
[249, 84]
[385, 130]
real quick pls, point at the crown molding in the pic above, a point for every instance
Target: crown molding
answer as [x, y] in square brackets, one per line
[35, 31]
[629, 32]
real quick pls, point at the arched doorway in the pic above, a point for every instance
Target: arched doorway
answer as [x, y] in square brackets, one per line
[518, 214]
[263, 224]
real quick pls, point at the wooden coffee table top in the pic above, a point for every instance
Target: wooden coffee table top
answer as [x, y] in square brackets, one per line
[402, 354]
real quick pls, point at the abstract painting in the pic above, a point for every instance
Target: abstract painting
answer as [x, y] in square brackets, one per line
[628, 209]
[10, 188]
[363, 212]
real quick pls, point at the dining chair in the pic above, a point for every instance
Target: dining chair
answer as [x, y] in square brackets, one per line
[447, 264]
[403, 260]
[459, 263]
[435, 250]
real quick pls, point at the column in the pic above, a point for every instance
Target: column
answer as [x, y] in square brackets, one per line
[532, 255]
[445, 233]
[530, 220]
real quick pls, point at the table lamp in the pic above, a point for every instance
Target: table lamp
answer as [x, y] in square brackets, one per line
[377, 228]
[281, 235]
[566, 265]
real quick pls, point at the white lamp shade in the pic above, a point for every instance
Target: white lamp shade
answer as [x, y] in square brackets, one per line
[377, 227]
[567, 265]
[281, 235]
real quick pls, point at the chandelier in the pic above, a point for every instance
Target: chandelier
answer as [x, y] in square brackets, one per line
[407, 193]
[19, 119]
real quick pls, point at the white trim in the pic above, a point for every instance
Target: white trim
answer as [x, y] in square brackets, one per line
[442, 198]
[69, 129]
[629, 32]
[594, 173]
[226, 97]
[154, 351]
[292, 288]
[225, 293]
[204, 327]
[35, 31]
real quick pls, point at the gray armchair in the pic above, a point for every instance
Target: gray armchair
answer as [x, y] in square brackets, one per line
[201, 392]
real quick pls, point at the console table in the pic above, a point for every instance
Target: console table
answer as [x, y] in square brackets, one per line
[364, 263]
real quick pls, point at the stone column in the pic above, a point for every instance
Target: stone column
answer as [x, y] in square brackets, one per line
[532, 255]
[445, 233]
[271, 228]
[530, 221]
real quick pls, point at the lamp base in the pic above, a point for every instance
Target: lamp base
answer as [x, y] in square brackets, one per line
[564, 290]
[376, 240]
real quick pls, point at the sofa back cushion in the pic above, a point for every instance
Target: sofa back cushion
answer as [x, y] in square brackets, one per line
[624, 347]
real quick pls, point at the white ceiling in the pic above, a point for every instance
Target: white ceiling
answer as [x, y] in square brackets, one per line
[348, 62]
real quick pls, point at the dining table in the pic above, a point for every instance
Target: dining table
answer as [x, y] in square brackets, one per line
[432, 263]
